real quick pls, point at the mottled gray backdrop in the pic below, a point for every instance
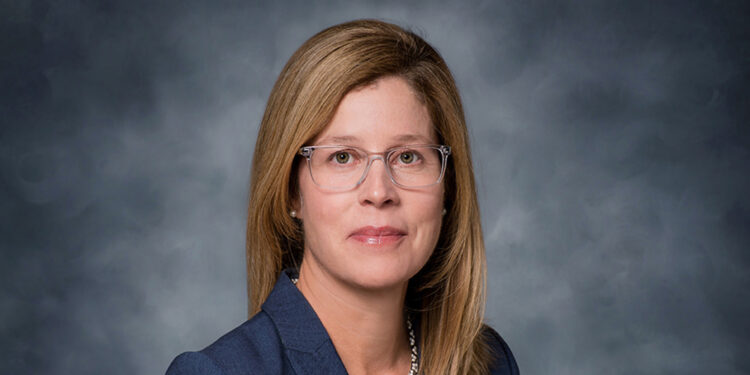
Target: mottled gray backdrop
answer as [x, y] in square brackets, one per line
[611, 146]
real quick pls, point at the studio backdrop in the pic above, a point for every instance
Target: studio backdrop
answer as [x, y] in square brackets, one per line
[610, 143]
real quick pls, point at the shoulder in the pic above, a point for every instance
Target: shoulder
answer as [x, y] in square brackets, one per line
[503, 360]
[193, 363]
[252, 348]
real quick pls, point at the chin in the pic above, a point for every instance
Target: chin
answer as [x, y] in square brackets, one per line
[371, 277]
[378, 284]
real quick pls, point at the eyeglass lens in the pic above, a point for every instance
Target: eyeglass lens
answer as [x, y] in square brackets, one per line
[341, 167]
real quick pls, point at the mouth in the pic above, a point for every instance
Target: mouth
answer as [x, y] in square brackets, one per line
[370, 235]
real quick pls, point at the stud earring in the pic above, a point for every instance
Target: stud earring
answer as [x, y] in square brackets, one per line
[293, 213]
[444, 211]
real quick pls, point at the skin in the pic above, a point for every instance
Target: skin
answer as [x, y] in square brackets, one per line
[358, 289]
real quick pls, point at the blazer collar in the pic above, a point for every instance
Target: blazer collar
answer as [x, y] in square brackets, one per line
[309, 348]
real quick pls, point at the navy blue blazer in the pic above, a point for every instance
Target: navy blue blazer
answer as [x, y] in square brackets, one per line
[286, 337]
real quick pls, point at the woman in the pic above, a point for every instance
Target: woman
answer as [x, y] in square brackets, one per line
[364, 245]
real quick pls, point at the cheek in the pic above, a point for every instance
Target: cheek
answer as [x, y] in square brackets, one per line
[319, 212]
[427, 213]
[434, 205]
[315, 205]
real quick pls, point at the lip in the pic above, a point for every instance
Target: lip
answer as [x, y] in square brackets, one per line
[376, 236]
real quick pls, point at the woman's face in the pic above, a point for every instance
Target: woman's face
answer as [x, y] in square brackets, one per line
[376, 235]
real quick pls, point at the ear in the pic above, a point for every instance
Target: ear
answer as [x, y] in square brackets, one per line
[295, 196]
[296, 203]
[295, 206]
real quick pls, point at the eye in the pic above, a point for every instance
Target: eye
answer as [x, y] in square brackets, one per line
[408, 157]
[342, 157]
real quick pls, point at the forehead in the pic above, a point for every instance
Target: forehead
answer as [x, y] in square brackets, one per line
[382, 114]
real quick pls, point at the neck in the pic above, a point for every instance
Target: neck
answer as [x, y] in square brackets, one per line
[367, 327]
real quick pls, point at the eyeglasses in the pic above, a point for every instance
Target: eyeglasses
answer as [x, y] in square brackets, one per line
[345, 167]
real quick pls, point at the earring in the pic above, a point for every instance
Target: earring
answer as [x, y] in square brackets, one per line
[444, 211]
[293, 213]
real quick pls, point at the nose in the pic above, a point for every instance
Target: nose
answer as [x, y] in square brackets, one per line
[377, 189]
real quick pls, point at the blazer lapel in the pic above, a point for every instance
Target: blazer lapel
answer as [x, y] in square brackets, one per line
[308, 346]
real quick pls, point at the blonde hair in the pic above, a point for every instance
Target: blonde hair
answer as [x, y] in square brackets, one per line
[448, 293]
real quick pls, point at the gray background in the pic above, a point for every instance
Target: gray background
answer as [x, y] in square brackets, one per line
[611, 147]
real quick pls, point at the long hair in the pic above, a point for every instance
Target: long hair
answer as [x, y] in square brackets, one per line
[448, 294]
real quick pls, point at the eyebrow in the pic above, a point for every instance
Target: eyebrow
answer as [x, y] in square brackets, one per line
[339, 139]
[349, 139]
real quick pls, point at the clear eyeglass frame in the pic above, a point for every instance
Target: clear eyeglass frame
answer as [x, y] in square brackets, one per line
[307, 152]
